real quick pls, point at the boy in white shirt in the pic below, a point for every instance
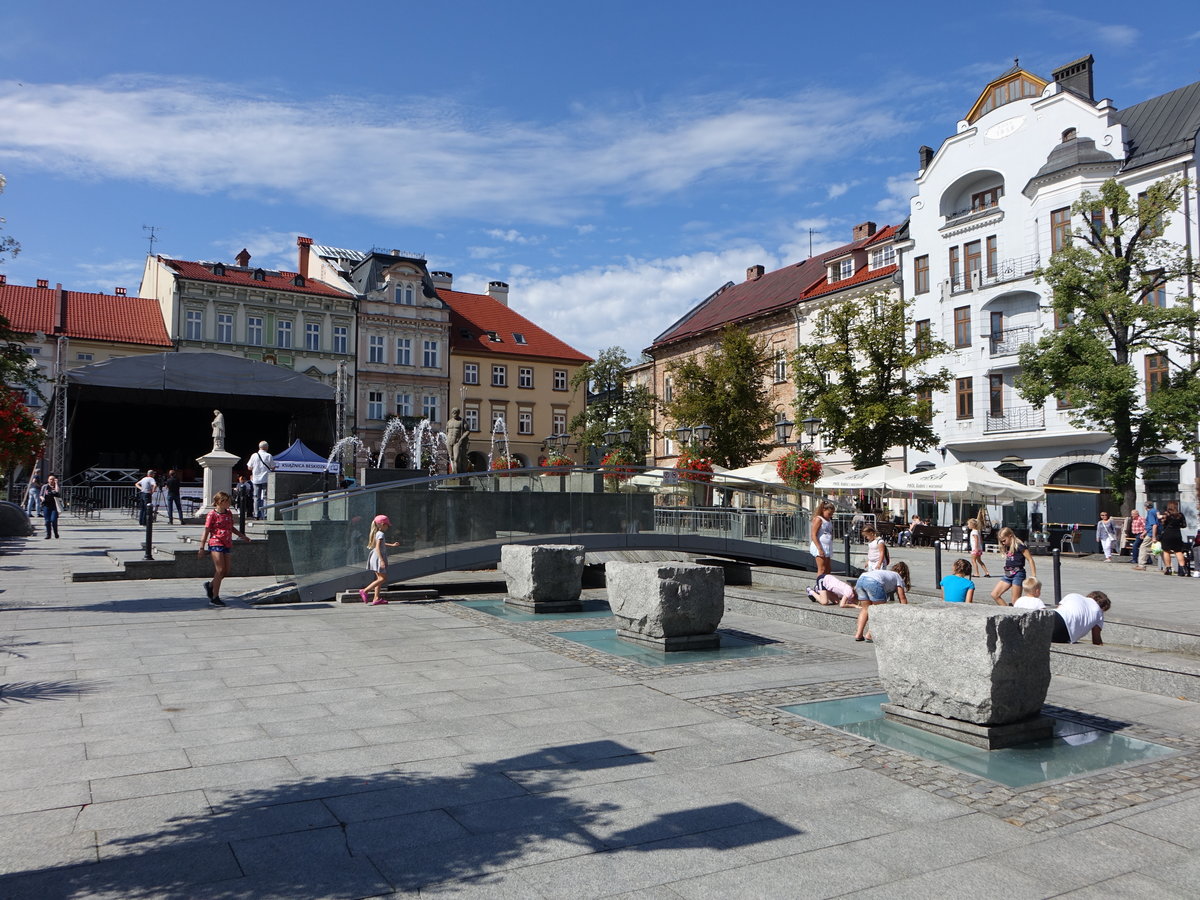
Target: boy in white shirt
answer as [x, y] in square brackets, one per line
[1031, 595]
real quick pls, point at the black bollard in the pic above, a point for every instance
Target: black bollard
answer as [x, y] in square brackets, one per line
[149, 531]
[1057, 567]
[846, 551]
[937, 563]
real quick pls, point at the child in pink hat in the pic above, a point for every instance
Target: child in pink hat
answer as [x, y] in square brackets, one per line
[377, 560]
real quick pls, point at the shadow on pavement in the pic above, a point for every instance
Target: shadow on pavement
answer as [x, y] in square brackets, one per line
[363, 835]
[29, 691]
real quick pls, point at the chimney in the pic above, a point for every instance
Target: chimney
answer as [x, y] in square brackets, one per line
[442, 280]
[61, 327]
[1076, 77]
[926, 155]
[3, 279]
[304, 243]
[43, 282]
[120, 292]
[863, 231]
[498, 291]
[753, 273]
[243, 258]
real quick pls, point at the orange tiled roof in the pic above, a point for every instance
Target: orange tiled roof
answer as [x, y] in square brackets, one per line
[276, 281]
[477, 314]
[97, 317]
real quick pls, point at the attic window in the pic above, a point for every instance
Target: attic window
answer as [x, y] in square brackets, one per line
[298, 281]
[495, 338]
[465, 333]
[1068, 135]
[218, 269]
[519, 338]
[260, 275]
[841, 270]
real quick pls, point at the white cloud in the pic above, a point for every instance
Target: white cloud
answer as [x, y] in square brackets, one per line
[422, 162]
[584, 229]
[268, 249]
[900, 190]
[484, 252]
[101, 278]
[512, 236]
[837, 190]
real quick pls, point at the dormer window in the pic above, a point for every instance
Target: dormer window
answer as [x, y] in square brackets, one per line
[1069, 135]
[495, 338]
[1015, 84]
[298, 281]
[841, 270]
[218, 269]
[260, 275]
[465, 334]
[404, 294]
[883, 257]
[519, 338]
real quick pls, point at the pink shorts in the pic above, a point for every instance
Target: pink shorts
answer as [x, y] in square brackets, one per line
[978, 554]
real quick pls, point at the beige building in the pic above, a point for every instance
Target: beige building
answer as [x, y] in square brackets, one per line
[505, 368]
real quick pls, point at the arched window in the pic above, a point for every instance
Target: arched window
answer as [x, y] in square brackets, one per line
[1082, 475]
[1069, 135]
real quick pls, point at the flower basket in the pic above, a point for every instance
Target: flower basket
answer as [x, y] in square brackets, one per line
[22, 437]
[556, 464]
[500, 463]
[619, 466]
[692, 467]
[799, 469]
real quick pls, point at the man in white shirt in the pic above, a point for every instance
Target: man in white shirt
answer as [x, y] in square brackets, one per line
[1077, 615]
[261, 465]
[146, 488]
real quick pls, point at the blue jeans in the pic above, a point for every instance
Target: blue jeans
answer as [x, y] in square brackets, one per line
[144, 510]
[52, 522]
[260, 500]
[173, 501]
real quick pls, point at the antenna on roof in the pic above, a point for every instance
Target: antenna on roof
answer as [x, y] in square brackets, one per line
[153, 235]
[811, 232]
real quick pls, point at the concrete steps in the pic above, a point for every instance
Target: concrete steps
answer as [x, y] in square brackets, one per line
[392, 595]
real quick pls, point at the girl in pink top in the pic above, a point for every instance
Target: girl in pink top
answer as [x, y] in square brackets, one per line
[217, 541]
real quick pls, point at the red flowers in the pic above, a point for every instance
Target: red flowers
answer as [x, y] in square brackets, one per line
[799, 468]
[619, 465]
[692, 467]
[22, 437]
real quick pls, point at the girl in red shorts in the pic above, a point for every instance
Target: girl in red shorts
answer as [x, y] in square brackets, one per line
[217, 541]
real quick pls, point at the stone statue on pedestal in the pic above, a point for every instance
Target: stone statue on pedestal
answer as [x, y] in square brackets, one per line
[218, 430]
[458, 441]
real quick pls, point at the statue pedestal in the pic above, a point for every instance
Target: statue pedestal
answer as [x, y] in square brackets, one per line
[218, 476]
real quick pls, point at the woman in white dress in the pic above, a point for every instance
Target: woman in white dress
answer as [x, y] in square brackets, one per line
[821, 538]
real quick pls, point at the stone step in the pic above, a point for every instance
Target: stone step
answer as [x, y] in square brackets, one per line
[392, 595]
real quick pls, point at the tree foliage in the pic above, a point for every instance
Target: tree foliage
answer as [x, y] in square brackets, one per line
[1105, 287]
[867, 377]
[7, 244]
[727, 389]
[613, 404]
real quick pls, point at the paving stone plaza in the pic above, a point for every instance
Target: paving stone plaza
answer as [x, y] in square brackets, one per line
[154, 747]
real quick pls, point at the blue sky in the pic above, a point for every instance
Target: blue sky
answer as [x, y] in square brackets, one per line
[614, 162]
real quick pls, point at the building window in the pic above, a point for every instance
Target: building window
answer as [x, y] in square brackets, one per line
[283, 336]
[429, 407]
[997, 322]
[525, 377]
[921, 275]
[1156, 226]
[925, 399]
[225, 328]
[560, 382]
[471, 418]
[987, 199]
[1156, 296]
[884, 256]
[341, 338]
[1061, 322]
[973, 253]
[499, 376]
[841, 270]
[498, 423]
[470, 373]
[962, 326]
[1156, 372]
[404, 351]
[404, 404]
[404, 294]
[668, 390]
[525, 421]
[429, 355]
[559, 422]
[194, 328]
[780, 366]
[312, 336]
[254, 331]
[921, 336]
[374, 404]
[375, 349]
[519, 337]
[964, 395]
[991, 256]
[996, 395]
[1060, 229]
[83, 357]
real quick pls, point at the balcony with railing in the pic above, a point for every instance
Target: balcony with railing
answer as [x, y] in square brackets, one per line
[1002, 272]
[1019, 418]
[1010, 340]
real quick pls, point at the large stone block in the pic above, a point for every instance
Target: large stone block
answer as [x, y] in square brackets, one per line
[985, 665]
[543, 577]
[669, 606]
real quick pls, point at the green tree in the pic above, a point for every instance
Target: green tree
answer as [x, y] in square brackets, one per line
[867, 377]
[1108, 293]
[613, 403]
[7, 244]
[727, 390]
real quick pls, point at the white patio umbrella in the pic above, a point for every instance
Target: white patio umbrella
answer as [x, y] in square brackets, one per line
[964, 481]
[876, 478]
[764, 471]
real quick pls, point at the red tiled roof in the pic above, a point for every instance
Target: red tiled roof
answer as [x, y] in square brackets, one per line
[773, 291]
[477, 314]
[276, 281]
[862, 276]
[97, 317]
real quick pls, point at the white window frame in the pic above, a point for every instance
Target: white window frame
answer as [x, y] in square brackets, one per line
[470, 373]
[430, 354]
[525, 377]
[404, 351]
[525, 421]
[225, 328]
[312, 336]
[560, 382]
[283, 334]
[404, 405]
[341, 338]
[193, 325]
[499, 375]
[883, 257]
[429, 407]
[404, 294]
[375, 348]
[374, 404]
[471, 418]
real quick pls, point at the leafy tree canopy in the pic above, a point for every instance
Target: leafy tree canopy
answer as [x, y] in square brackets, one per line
[613, 404]
[1109, 295]
[7, 244]
[727, 389]
[867, 377]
